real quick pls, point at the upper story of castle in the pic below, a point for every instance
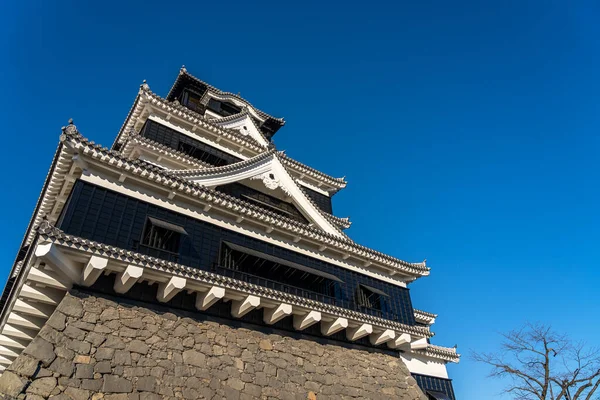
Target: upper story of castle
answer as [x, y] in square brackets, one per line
[193, 200]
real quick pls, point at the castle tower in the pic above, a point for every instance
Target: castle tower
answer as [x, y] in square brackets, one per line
[194, 259]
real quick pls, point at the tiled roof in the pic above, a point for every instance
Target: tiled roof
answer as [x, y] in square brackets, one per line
[305, 169]
[240, 115]
[183, 72]
[160, 176]
[447, 353]
[162, 149]
[231, 134]
[424, 317]
[224, 168]
[51, 233]
[340, 222]
[234, 133]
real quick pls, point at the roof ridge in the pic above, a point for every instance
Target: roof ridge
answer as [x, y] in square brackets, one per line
[344, 242]
[177, 177]
[136, 137]
[224, 168]
[51, 232]
[250, 142]
[228, 133]
[425, 313]
[231, 117]
[278, 155]
[184, 71]
[183, 108]
[290, 160]
[242, 114]
[448, 353]
[252, 161]
[343, 222]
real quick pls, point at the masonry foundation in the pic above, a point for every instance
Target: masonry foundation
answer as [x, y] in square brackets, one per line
[96, 347]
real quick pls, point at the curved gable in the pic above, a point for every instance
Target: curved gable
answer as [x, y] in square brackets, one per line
[268, 168]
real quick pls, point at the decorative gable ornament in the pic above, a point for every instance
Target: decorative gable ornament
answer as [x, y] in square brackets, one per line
[270, 181]
[243, 123]
[268, 168]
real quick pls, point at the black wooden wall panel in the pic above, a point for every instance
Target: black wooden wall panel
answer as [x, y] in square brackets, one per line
[112, 218]
[426, 382]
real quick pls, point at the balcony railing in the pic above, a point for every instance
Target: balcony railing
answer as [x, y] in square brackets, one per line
[300, 292]
[270, 284]
[155, 252]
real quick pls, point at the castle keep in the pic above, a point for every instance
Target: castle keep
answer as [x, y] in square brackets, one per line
[195, 260]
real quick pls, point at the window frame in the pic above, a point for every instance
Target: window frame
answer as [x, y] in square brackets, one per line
[149, 226]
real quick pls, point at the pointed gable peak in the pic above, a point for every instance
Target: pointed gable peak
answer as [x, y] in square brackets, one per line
[243, 123]
[272, 173]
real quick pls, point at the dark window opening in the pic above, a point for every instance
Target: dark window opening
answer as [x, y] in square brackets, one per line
[370, 297]
[192, 101]
[181, 142]
[270, 127]
[263, 200]
[267, 132]
[162, 239]
[435, 388]
[186, 83]
[101, 215]
[222, 108]
[435, 395]
[252, 264]
[322, 201]
[200, 154]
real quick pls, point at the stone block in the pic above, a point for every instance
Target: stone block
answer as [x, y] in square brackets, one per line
[42, 387]
[96, 339]
[104, 353]
[62, 366]
[114, 342]
[42, 350]
[115, 384]
[121, 357]
[77, 394]
[193, 357]
[71, 306]
[103, 367]
[93, 385]
[57, 321]
[137, 346]
[84, 371]
[146, 384]
[170, 357]
[24, 365]
[11, 384]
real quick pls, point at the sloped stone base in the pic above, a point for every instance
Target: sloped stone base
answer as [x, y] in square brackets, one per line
[98, 348]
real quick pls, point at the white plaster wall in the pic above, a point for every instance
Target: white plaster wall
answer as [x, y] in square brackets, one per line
[424, 365]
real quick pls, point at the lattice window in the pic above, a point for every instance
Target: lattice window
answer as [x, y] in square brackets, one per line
[223, 108]
[192, 101]
[162, 235]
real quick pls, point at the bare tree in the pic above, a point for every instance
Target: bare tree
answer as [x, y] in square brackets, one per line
[543, 365]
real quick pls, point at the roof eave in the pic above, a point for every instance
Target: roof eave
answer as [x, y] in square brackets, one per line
[184, 72]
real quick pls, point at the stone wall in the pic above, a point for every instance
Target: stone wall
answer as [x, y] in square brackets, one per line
[99, 348]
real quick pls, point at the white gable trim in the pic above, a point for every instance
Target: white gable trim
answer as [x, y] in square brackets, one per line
[274, 175]
[241, 122]
[237, 102]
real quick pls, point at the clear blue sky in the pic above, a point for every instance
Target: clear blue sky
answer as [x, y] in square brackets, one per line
[468, 131]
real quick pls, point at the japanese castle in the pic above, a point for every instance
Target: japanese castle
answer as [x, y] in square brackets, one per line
[194, 208]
